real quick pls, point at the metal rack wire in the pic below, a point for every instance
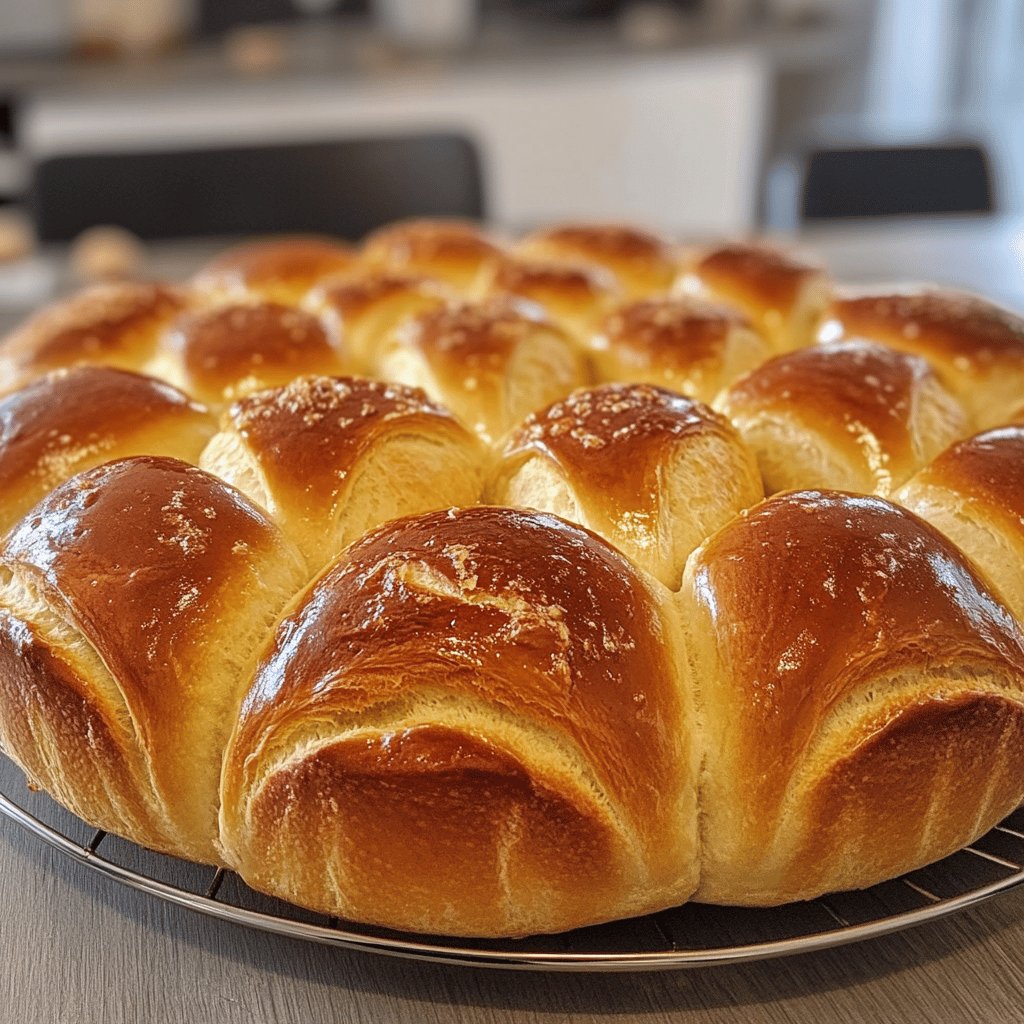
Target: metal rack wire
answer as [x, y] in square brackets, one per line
[687, 936]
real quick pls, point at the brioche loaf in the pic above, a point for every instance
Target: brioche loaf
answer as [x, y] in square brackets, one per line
[469, 616]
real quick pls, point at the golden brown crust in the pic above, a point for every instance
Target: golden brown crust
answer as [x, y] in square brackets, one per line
[783, 295]
[365, 309]
[633, 461]
[484, 645]
[487, 720]
[444, 813]
[862, 404]
[988, 467]
[950, 765]
[113, 324]
[72, 420]
[148, 566]
[45, 707]
[490, 364]
[575, 297]
[454, 251]
[277, 269]
[223, 353]
[314, 440]
[685, 344]
[822, 626]
[643, 263]
[976, 346]
[974, 493]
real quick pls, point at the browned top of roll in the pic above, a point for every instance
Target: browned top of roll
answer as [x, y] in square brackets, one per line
[515, 611]
[277, 268]
[116, 323]
[306, 436]
[987, 469]
[672, 333]
[969, 332]
[816, 594]
[858, 395]
[471, 336]
[545, 282]
[353, 297]
[73, 419]
[475, 343]
[232, 349]
[142, 552]
[755, 274]
[613, 440]
[363, 309]
[453, 250]
[642, 261]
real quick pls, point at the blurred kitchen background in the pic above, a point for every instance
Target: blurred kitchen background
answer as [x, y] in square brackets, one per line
[176, 119]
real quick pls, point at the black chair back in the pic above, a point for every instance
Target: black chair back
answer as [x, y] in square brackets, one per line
[345, 188]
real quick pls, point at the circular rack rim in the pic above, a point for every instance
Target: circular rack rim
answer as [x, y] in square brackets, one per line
[445, 951]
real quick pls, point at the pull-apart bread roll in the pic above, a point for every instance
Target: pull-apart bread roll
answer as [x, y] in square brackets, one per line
[650, 471]
[331, 458]
[974, 494]
[275, 269]
[220, 354]
[860, 698]
[643, 263]
[453, 251]
[364, 310]
[849, 415]
[470, 725]
[72, 420]
[785, 297]
[114, 324]
[685, 344]
[975, 346]
[576, 297]
[491, 364]
[132, 601]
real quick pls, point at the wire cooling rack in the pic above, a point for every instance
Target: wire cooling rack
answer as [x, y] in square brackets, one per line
[688, 936]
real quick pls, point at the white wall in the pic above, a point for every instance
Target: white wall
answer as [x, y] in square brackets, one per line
[671, 140]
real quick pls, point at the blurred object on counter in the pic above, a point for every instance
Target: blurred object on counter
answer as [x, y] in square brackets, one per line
[436, 25]
[255, 49]
[106, 253]
[17, 240]
[26, 279]
[345, 188]
[105, 28]
[650, 23]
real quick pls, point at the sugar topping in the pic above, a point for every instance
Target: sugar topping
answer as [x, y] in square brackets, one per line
[612, 416]
[971, 329]
[333, 402]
